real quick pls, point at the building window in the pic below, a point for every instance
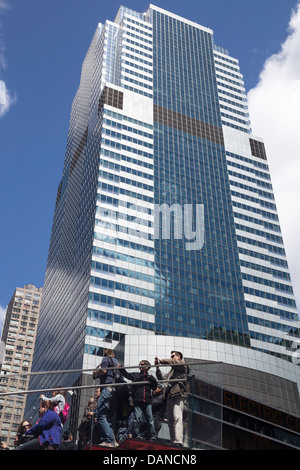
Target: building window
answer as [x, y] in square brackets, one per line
[258, 149]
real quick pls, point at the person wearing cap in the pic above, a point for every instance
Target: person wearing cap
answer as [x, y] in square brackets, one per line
[142, 398]
[175, 393]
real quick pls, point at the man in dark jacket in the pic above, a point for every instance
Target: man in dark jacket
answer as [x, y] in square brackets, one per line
[142, 398]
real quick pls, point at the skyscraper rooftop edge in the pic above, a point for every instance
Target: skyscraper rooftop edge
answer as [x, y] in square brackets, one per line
[181, 18]
[123, 10]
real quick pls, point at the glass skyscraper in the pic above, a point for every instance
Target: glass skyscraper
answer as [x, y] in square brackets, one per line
[165, 232]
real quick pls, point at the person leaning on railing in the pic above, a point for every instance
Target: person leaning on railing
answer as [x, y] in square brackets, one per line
[142, 398]
[105, 404]
[175, 393]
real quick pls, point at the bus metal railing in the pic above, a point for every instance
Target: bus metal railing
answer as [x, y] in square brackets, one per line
[77, 387]
[96, 385]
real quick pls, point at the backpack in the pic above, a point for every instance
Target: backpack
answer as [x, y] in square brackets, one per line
[64, 413]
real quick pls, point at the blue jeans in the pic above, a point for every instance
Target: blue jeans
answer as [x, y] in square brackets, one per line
[140, 410]
[102, 410]
[125, 427]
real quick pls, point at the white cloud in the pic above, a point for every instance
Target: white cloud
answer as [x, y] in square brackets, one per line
[274, 106]
[2, 317]
[6, 99]
[3, 7]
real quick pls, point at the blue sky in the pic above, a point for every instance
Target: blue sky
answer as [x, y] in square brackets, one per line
[42, 46]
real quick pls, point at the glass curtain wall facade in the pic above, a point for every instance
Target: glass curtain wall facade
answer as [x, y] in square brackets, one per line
[199, 292]
[165, 229]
